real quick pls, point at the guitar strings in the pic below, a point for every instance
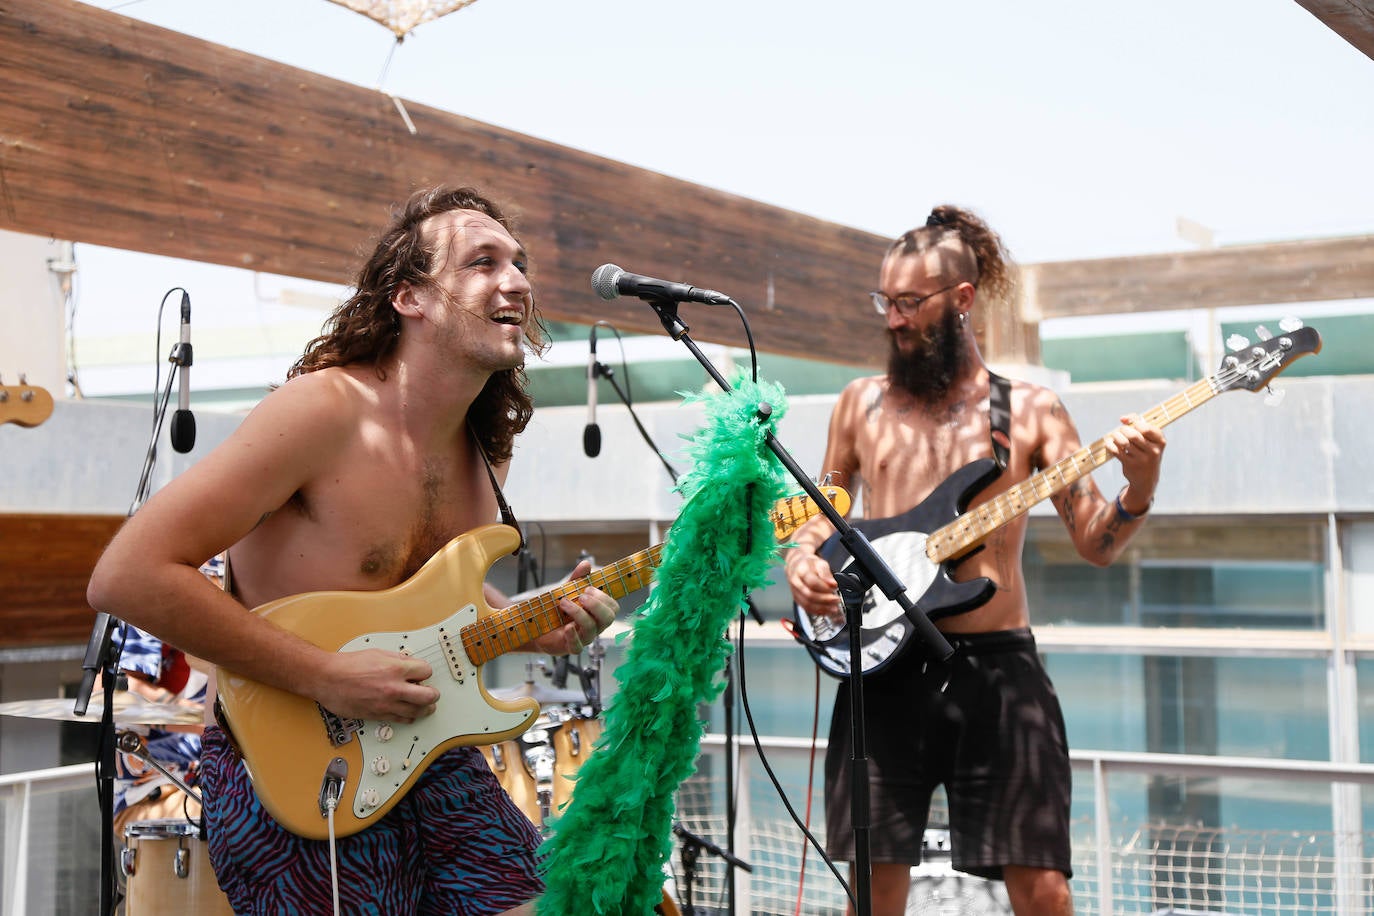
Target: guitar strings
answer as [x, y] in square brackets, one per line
[949, 540]
[514, 626]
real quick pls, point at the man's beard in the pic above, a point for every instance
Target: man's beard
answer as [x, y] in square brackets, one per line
[938, 357]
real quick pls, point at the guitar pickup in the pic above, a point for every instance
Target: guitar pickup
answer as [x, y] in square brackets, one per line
[451, 642]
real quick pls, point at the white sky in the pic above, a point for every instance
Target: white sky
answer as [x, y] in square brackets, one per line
[1077, 128]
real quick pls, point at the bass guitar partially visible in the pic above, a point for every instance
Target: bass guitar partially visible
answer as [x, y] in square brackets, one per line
[25, 404]
[923, 545]
[301, 756]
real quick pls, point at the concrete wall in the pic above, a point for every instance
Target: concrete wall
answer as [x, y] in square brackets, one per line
[1233, 455]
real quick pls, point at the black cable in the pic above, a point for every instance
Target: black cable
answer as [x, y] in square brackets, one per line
[782, 793]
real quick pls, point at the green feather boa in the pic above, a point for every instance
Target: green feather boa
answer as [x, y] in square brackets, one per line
[608, 848]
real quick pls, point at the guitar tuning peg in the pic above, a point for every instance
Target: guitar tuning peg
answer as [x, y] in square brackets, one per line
[1235, 343]
[1262, 332]
[1290, 324]
[1273, 396]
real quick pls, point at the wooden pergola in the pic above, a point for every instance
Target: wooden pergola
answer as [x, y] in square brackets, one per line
[119, 133]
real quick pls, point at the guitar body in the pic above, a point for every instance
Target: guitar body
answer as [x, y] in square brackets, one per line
[293, 748]
[900, 540]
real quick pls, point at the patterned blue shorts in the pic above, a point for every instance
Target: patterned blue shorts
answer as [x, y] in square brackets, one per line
[455, 844]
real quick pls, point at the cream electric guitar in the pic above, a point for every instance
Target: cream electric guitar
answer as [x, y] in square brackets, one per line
[924, 544]
[25, 404]
[300, 755]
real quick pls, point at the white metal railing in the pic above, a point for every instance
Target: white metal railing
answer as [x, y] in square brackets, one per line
[17, 794]
[1106, 858]
[1108, 863]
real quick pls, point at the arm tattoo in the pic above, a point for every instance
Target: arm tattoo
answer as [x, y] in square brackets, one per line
[1107, 543]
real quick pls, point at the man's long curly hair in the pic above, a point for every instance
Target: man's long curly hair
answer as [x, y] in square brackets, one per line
[365, 328]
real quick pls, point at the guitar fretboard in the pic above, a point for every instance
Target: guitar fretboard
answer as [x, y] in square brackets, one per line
[977, 523]
[510, 628]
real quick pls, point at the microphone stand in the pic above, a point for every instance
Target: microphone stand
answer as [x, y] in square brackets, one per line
[601, 370]
[868, 568]
[100, 660]
[692, 846]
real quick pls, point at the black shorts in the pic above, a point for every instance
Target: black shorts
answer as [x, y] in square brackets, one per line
[994, 737]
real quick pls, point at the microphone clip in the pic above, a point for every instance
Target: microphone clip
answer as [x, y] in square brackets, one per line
[182, 354]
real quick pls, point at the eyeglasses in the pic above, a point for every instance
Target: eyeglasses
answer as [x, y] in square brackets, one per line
[906, 304]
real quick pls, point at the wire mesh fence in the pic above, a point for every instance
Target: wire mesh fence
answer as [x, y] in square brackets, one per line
[1157, 869]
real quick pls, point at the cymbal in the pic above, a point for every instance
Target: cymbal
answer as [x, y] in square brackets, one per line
[546, 696]
[129, 709]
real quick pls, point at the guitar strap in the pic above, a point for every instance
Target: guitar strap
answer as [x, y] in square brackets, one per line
[507, 515]
[999, 416]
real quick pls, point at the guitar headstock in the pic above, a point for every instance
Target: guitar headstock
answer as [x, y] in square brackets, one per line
[25, 404]
[1253, 365]
[791, 512]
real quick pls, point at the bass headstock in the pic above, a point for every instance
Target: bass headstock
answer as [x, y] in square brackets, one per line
[1253, 366]
[25, 404]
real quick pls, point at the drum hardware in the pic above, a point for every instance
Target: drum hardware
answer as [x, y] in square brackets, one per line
[540, 760]
[132, 743]
[935, 844]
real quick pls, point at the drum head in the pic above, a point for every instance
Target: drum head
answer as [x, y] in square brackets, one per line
[162, 829]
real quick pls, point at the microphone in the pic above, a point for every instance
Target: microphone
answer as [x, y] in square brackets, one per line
[610, 282]
[591, 436]
[183, 421]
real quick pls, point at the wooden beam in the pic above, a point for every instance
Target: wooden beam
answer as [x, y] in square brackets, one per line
[48, 561]
[1353, 20]
[120, 133]
[1304, 271]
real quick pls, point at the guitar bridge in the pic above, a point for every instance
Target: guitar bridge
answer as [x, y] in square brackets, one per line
[339, 729]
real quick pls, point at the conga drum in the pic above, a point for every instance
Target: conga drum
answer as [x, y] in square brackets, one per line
[167, 868]
[572, 745]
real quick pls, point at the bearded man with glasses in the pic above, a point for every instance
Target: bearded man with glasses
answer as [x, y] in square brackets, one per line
[986, 724]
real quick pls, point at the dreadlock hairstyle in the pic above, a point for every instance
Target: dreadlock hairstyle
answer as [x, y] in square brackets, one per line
[982, 259]
[365, 328]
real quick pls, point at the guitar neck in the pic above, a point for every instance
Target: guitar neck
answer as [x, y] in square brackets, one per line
[977, 523]
[512, 627]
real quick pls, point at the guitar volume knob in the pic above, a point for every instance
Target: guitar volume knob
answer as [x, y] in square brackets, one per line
[385, 732]
[381, 765]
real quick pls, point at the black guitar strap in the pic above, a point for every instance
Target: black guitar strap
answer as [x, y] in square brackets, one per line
[999, 415]
[507, 515]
